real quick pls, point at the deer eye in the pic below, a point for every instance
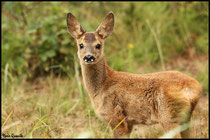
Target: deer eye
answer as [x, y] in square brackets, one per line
[98, 46]
[81, 46]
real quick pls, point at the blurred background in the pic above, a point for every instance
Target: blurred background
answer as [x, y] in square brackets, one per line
[42, 87]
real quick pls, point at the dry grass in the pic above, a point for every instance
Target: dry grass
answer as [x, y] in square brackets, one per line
[52, 107]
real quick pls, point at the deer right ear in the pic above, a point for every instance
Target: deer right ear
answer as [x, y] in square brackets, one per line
[106, 27]
[74, 27]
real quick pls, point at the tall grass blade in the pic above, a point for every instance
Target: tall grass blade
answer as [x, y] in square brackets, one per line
[5, 78]
[73, 108]
[158, 45]
[79, 85]
[36, 126]
[7, 119]
[107, 127]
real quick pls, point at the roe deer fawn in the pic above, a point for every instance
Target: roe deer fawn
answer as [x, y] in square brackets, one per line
[167, 97]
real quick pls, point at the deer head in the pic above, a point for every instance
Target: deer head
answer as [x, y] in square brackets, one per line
[90, 44]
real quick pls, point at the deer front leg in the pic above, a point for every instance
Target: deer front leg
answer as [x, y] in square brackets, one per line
[121, 129]
[119, 124]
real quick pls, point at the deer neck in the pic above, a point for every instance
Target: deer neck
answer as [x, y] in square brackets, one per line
[94, 76]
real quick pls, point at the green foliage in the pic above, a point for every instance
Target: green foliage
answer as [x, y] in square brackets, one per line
[35, 40]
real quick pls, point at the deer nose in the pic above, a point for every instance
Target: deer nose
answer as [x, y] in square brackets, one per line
[89, 58]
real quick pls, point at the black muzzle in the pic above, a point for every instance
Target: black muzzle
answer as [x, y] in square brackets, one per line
[89, 58]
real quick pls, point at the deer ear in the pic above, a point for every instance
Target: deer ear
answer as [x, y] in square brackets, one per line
[106, 27]
[74, 27]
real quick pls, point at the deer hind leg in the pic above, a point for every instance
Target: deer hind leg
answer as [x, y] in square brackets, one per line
[170, 130]
[185, 122]
[180, 110]
[193, 103]
[174, 113]
[186, 133]
[176, 130]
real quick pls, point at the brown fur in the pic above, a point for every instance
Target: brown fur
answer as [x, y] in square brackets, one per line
[167, 97]
[89, 37]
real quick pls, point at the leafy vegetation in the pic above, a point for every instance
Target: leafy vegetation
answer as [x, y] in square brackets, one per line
[35, 39]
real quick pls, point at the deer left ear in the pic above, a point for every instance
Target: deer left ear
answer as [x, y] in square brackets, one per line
[74, 27]
[107, 26]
